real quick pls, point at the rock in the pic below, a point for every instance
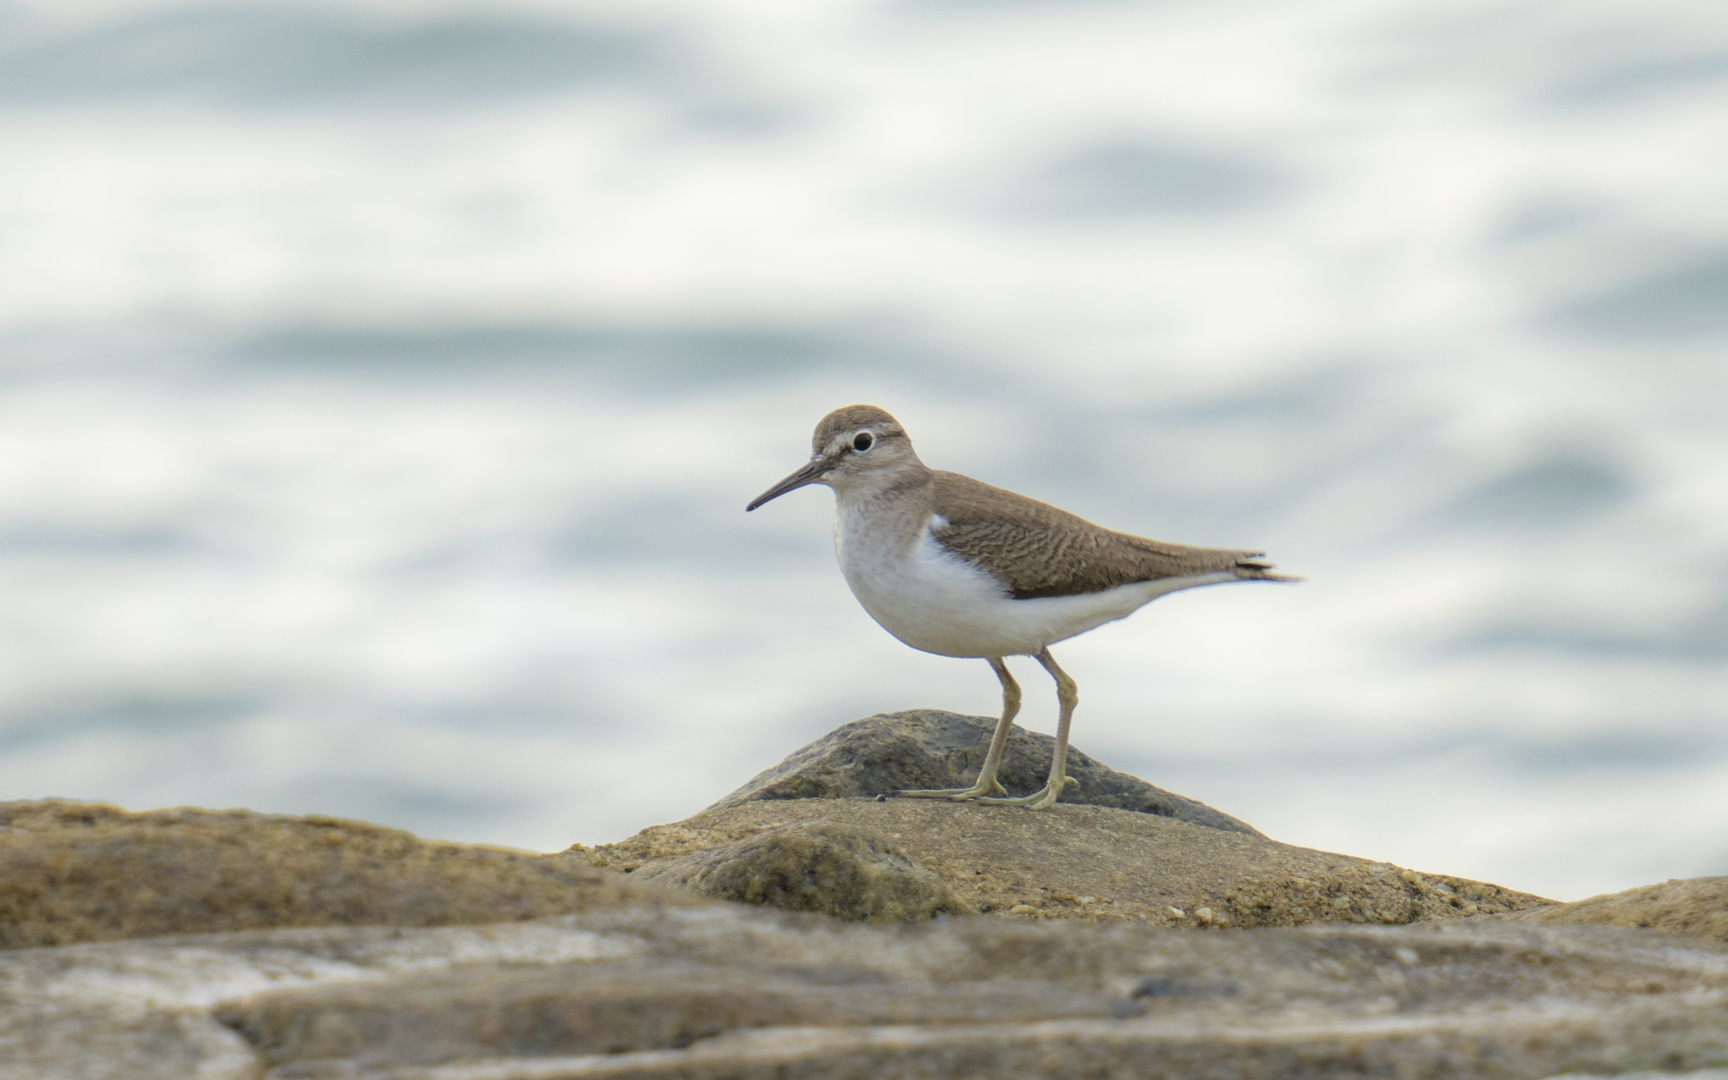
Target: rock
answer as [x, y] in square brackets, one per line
[719, 990]
[1135, 867]
[644, 981]
[819, 866]
[76, 872]
[1692, 907]
[929, 748]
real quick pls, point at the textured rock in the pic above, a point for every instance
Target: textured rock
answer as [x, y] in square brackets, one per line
[1689, 907]
[1090, 862]
[929, 748]
[728, 991]
[75, 872]
[645, 982]
[816, 866]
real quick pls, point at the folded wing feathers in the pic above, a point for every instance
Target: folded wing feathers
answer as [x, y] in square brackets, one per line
[1037, 550]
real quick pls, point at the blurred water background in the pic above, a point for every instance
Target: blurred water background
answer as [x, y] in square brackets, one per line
[381, 385]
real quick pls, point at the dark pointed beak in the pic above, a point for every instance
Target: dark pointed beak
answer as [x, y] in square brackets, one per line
[809, 474]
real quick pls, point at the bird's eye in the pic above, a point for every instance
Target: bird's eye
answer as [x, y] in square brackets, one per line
[863, 441]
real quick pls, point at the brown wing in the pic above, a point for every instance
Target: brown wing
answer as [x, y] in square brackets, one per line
[1038, 550]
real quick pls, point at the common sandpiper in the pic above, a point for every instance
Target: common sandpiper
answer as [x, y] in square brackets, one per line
[955, 567]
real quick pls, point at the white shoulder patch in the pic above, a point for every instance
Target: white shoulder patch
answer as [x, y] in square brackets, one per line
[937, 521]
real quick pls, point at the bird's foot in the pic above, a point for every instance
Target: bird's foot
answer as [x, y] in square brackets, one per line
[1038, 800]
[958, 794]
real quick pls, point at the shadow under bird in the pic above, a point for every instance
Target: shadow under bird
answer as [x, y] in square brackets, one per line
[955, 567]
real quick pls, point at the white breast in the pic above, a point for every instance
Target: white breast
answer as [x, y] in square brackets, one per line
[933, 600]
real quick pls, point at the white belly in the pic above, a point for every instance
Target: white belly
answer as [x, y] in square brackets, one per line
[935, 601]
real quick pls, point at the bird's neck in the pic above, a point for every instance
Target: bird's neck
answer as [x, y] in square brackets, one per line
[887, 509]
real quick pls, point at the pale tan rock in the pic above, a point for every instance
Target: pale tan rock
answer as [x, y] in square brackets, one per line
[1689, 907]
[722, 990]
[78, 1041]
[646, 983]
[1134, 866]
[818, 866]
[75, 872]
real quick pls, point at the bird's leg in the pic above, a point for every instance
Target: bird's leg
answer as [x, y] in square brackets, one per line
[1069, 695]
[986, 783]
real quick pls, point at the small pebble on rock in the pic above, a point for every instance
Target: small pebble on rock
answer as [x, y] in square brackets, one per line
[1022, 909]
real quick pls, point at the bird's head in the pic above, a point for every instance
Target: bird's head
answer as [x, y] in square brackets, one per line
[858, 447]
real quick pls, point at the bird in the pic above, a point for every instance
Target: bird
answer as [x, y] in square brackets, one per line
[953, 566]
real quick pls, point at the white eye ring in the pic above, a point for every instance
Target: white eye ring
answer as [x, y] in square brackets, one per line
[863, 441]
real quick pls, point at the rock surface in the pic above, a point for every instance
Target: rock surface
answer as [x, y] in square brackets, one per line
[721, 990]
[1083, 862]
[817, 866]
[632, 978]
[929, 748]
[77, 872]
[1690, 907]
[1079, 978]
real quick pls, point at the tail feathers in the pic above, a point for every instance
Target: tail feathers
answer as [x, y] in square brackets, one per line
[1252, 567]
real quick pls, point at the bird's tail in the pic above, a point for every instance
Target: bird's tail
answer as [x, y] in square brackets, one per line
[1252, 566]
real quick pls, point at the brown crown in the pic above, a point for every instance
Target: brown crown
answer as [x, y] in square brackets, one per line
[851, 418]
